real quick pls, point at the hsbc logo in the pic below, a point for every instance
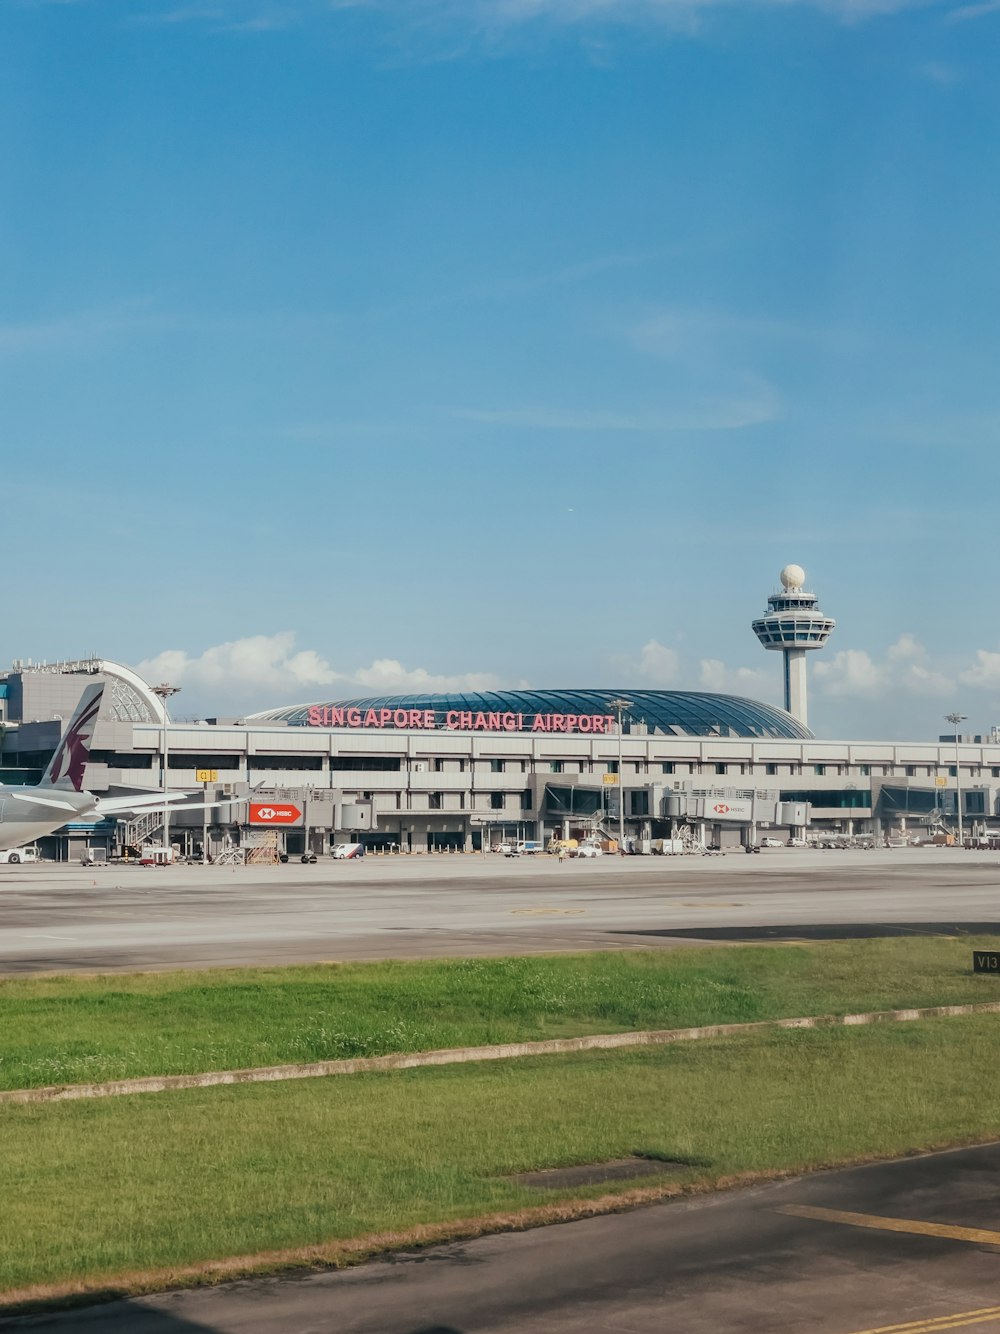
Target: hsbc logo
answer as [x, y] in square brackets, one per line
[262, 813]
[721, 808]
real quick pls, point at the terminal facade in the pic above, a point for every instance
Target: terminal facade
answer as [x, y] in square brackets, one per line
[433, 773]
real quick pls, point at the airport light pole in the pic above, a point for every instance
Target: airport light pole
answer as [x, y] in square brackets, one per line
[956, 719]
[619, 705]
[164, 692]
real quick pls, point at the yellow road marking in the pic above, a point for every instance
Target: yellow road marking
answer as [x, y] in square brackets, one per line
[978, 1235]
[710, 903]
[547, 912]
[984, 1316]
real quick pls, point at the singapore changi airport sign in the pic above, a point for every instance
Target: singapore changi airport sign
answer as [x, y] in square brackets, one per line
[458, 720]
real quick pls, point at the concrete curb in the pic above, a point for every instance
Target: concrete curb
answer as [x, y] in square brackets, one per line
[457, 1055]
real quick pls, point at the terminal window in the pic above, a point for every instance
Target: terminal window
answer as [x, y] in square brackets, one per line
[282, 762]
[639, 803]
[372, 763]
[721, 768]
[181, 761]
[496, 801]
[125, 760]
[497, 766]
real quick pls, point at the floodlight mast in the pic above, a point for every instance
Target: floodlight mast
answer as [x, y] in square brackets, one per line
[619, 705]
[956, 720]
[164, 692]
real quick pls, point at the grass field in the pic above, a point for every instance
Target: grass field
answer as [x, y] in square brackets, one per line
[64, 1030]
[99, 1188]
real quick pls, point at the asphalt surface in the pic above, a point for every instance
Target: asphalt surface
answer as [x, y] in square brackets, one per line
[735, 1261]
[129, 917]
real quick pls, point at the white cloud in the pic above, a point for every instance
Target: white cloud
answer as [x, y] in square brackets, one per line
[388, 674]
[753, 406]
[854, 673]
[257, 661]
[714, 675]
[986, 673]
[936, 71]
[658, 666]
[248, 668]
[976, 11]
[489, 20]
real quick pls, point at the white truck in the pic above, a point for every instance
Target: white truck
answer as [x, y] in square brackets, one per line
[12, 856]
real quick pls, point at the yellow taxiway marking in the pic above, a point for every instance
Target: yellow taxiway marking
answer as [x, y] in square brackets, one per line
[984, 1316]
[978, 1235]
[547, 912]
[710, 903]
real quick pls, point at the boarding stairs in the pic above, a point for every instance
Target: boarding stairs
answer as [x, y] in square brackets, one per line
[142, 829]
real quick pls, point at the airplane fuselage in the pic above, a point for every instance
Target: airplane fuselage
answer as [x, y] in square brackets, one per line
[22, 821]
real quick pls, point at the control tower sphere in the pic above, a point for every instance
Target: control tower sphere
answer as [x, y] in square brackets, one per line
[793, 624]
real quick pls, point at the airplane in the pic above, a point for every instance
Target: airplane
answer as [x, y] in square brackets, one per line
[29, 813]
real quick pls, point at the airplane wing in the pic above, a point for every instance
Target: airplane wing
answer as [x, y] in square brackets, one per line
[151, 802]
[31, 794]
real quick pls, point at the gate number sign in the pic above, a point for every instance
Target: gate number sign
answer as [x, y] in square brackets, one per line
[986, 961]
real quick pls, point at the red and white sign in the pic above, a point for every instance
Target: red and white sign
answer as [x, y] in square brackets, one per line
[274, 813]
[721, 808]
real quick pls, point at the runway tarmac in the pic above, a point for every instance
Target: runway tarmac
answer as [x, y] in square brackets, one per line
[896, 1248]
[129, 917]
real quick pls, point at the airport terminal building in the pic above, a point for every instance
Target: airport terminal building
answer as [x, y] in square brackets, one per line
[448, 773]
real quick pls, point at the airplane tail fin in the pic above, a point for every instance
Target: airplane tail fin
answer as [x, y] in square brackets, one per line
[68, 763]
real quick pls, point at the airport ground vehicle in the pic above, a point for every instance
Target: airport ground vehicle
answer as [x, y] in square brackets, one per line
[589, 850]
[347, 851]
[768, 842]
[13, 856]
[523, 846]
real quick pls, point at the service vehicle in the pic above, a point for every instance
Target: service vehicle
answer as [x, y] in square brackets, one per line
[590, 850]
[13, 856]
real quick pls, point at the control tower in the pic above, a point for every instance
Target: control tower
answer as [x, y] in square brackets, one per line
[794, 624]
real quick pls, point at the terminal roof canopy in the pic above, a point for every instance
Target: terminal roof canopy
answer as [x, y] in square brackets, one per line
[667, 712]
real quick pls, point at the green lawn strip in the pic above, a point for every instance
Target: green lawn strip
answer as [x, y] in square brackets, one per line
[98, 1189]
[69, 1030]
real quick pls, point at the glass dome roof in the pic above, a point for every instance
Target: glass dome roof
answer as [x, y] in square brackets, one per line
[663, 712]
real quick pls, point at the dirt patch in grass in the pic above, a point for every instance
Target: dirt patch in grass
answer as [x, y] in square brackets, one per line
[594, 1174]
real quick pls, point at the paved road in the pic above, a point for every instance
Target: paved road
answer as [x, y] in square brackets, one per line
[127, 917]
[743, 1261]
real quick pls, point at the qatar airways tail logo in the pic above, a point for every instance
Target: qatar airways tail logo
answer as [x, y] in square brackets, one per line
[70, 760]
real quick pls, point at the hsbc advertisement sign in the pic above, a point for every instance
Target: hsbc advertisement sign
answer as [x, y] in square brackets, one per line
[728, 808]
[266, 814]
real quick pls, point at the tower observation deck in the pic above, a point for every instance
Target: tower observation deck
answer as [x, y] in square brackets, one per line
[794, 624]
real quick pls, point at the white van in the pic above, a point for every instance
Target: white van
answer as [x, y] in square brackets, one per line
[12, 856]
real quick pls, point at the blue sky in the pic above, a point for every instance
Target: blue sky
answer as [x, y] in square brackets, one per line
[414, 344]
